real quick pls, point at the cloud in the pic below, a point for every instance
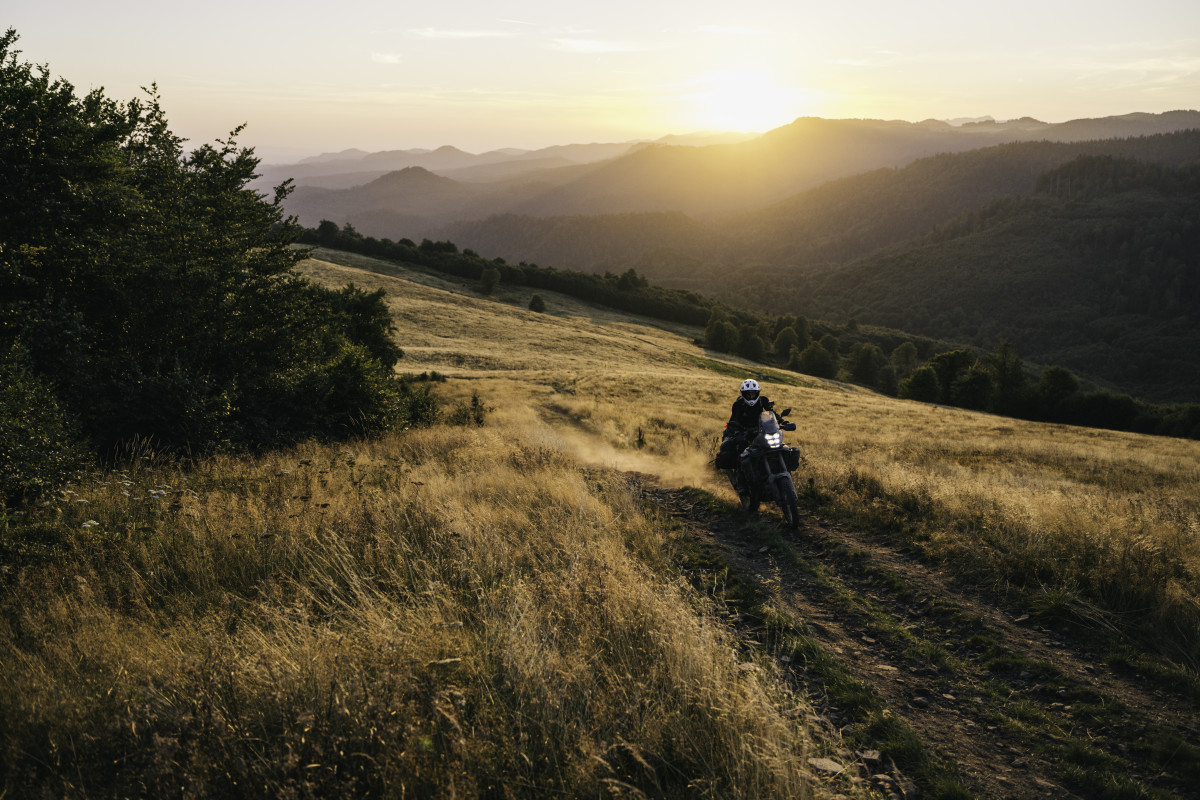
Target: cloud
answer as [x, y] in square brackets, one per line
[440, 33]
[386, 58]
[593, 46]
[729, 30]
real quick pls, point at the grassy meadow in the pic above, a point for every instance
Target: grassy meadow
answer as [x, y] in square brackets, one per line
[1102, 526]
[490, 611]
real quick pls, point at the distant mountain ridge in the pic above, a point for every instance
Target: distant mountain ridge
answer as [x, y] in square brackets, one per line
[705, 181]
[874, 247]
[324, 169]
[831, 218]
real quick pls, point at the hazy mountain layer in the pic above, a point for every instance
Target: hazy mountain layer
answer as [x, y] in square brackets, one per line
[702, 181]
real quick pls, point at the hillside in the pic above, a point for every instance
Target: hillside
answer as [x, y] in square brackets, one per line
[1099, 272]
[811, 231]
[699, 180]
[565, 599]
[869, 233]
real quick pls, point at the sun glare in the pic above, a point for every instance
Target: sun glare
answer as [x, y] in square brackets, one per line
[742, 100]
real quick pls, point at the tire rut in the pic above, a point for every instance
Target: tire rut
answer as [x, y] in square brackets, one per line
[1000, 697]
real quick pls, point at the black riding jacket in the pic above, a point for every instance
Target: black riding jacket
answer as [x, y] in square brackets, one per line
[746, 416]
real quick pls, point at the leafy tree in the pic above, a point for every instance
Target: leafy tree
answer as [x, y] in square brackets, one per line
[887, 382]
[949, 367]
[922, 385]
[327, 233]
[866, 361]
[488, 280]
[750, 344]
[973, 389]
[536, 303]
[156, 293]
[815, 360]
[1055, 389]
[38, 448]
[1011, 384]
[630, 280]
[785, 341]
[905, 359]
[720, 334]
[831, 345]
[803, 335]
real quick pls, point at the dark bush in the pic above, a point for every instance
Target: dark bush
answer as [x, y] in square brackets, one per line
[39, 451]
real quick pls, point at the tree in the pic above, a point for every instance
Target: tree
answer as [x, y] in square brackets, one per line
[488, 280]
[630, 280]
[831, 345]
[1010, 381]
[973, 389]
[750, 344]
[38, 449]
[905, 359]
[327, 233]
[1055, 389]
[803, 337]
[536, 303]
[815, 360]
[720, 334]
[784, 342]
[922, 385]
[156, 293]
[949, 367]
[866, 361]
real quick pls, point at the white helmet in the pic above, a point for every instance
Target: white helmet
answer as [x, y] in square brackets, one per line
[750, 391]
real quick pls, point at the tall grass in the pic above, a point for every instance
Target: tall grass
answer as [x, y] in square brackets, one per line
[451, 612]
[1100, 526]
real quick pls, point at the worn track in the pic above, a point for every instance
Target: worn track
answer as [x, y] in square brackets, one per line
[1014, 708]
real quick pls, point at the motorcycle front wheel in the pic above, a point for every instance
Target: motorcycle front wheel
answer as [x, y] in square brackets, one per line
[789, 503]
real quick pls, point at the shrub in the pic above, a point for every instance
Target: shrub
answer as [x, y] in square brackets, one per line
[468, 413]
[38, 449]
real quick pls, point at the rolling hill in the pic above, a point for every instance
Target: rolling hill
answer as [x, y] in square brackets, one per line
[711, 219]
[560, 597]
[1098, 271]
[860, 248]
[701, 181]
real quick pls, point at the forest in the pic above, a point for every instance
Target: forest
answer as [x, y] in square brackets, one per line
[148, 299]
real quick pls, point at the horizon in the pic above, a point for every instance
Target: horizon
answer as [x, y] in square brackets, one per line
[310, 80]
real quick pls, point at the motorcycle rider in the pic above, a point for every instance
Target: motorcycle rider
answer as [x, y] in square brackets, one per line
[743, 420]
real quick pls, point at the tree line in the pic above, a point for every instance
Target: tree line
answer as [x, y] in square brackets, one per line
[627, 291]
[148, 296]
[889, 361]
[917, 369]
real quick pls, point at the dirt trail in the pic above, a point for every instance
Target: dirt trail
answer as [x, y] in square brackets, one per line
[1019, 709]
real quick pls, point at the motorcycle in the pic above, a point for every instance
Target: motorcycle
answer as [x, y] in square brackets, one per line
[764, 469]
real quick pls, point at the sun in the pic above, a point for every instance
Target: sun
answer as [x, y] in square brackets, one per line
[741, 100]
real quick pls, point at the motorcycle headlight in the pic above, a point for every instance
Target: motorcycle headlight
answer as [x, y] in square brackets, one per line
[774, 439]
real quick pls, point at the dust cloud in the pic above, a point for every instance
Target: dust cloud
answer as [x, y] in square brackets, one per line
[676, 471]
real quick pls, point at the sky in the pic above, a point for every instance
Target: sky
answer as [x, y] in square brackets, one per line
[310, 77]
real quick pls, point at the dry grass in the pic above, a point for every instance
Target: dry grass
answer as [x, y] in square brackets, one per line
[488, 612]
[449, 613]
[1104, 525]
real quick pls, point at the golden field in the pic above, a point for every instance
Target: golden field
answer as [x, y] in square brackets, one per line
[1094, 518]
[492, 612]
